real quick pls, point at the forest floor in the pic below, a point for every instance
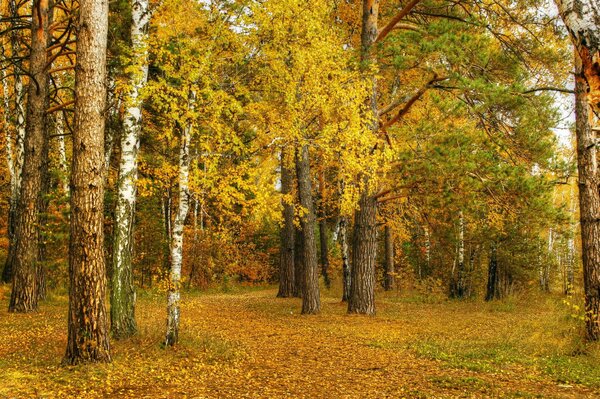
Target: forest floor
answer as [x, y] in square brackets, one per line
[248, 344]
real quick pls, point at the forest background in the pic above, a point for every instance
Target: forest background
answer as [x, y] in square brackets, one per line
[338, 150]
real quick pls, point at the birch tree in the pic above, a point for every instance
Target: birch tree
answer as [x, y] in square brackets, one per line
[19, 140]
[122, 310]
[173, 296]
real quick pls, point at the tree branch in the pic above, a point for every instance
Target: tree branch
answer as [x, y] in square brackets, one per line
[403, 13]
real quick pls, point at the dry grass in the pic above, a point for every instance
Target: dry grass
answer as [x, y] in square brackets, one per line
[246, 343]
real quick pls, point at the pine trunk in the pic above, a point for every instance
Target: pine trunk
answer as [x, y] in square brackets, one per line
[287, 234]
[311, 302]
[122, 300]
[582, 19]
[589, 205]
[298, 262]
[88, 323]
[364, 253]
[364, 246]
[388, 270]
[172, 335]
[24, 295]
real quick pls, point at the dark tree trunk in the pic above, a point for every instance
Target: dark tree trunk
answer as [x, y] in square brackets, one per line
[323, 232]
[364, 246]
[364, 253]
[24, 296]
[346, 267]
[287, 273]
[10, 256]
[311, 303]
[388, 278]
[324, 251]
[493, 284]
[589, 205]
[298, 263]
[88, 323]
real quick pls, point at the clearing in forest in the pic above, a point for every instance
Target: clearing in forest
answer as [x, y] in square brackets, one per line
[247, 343]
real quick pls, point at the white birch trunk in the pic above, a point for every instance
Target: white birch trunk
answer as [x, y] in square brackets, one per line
[123, 291]
[177, 235]
[427, 251]
[62, 152]
[8, 136]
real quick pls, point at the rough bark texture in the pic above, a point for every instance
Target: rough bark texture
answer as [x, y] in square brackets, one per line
[311, 302]
[388, 269]
[364, 248]
[323, 241]
[88, 322]
[364, 253]
[24, 295]
[286, 256]
[582, 19]
[122, 299]
[589, 205]
[173, 296]
[346, 266]
[19, 150]
[298, 262]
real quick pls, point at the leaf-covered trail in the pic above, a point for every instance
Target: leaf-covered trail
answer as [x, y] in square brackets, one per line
[254, 345]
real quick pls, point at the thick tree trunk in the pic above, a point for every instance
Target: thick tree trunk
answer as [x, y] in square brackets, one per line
[364, 253]
[122, 299]
[24, 296]
[589, 205]
[88, 323]
[582, 19]
[172, 335]
[19, 150]
[346, 267]
[493, 283]
[286, 256]
[298, 262]
[311, 302]
[364, 247]
[388, 270]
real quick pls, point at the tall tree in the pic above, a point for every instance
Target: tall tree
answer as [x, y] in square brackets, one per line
[19, 150]
[122, 299]
[286, 255]
[311, 302]
[88, 337]
[364, 243]
[24, 295]
[172, 335]
[582, 19]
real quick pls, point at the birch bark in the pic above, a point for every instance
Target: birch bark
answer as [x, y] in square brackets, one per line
[173, 295]
[122, 310]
